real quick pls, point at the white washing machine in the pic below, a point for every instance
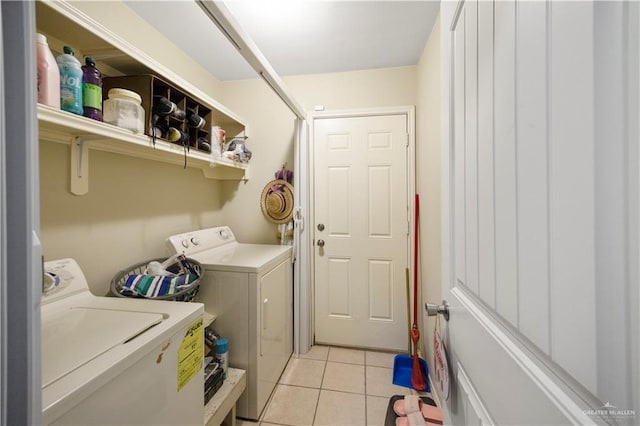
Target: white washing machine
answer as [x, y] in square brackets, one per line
[115, 361]
[249, 288]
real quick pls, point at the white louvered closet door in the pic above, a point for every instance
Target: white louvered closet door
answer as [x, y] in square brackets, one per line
[541, 212]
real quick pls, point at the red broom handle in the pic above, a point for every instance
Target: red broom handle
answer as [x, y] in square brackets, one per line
[415, 262]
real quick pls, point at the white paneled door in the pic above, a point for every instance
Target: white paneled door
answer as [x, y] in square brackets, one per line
[361, 230]
[540, 209]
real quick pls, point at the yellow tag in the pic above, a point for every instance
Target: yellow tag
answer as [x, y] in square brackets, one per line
[190, 353]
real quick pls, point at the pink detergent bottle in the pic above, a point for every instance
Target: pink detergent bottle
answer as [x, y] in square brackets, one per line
[48, 74]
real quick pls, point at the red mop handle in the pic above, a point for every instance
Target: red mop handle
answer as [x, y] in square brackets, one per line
[415, 262]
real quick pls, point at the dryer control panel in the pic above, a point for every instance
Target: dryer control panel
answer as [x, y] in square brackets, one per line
[197, 241]
[62, 278]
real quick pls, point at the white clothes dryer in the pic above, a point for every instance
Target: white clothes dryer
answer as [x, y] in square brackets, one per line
[108, 360]
[249, 288]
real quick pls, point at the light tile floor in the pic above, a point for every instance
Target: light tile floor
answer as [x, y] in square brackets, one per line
[331, 386]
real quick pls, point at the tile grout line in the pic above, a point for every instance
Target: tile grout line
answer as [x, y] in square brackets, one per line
[304, 387]
[278, 384]
[333, 390]
[324, 370]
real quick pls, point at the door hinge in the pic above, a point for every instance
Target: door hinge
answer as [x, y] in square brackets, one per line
[407, 144]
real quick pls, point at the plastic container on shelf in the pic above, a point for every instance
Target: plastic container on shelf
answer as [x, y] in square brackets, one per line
[124, 109]
[70, 82]
[91, 90]
[48, 74]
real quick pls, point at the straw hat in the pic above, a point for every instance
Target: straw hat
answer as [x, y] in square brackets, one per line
[276, 201]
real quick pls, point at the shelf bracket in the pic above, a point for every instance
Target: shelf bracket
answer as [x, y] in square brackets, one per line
[80, 164]
[224, 172]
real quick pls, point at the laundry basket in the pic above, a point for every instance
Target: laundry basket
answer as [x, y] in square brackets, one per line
[123, 282]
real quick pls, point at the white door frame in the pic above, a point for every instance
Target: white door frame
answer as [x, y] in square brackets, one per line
[307, 305]
[20, 213]
[302, 333]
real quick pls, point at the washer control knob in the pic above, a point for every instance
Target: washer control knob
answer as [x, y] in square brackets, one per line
[195, 241]
[185, 243]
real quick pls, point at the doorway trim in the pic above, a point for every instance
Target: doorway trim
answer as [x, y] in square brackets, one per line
[306, 335]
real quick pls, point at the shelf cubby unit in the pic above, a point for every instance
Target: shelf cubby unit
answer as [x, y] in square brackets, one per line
[64, 24]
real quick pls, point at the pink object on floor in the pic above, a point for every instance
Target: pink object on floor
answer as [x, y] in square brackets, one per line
[412, 404]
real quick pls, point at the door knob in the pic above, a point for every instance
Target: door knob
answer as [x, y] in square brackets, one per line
[320, 243]
[433, 309]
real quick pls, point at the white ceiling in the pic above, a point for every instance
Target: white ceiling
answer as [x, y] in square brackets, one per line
[300, 36]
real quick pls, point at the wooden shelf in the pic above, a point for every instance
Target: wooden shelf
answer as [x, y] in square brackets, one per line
[223, 403]
[64, 24]
[208, 319]
[83, 133]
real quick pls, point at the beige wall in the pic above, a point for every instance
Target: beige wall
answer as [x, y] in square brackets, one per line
[272, 129]
[428, 179]
[271, 132]
[355, 89]
[132, 204]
